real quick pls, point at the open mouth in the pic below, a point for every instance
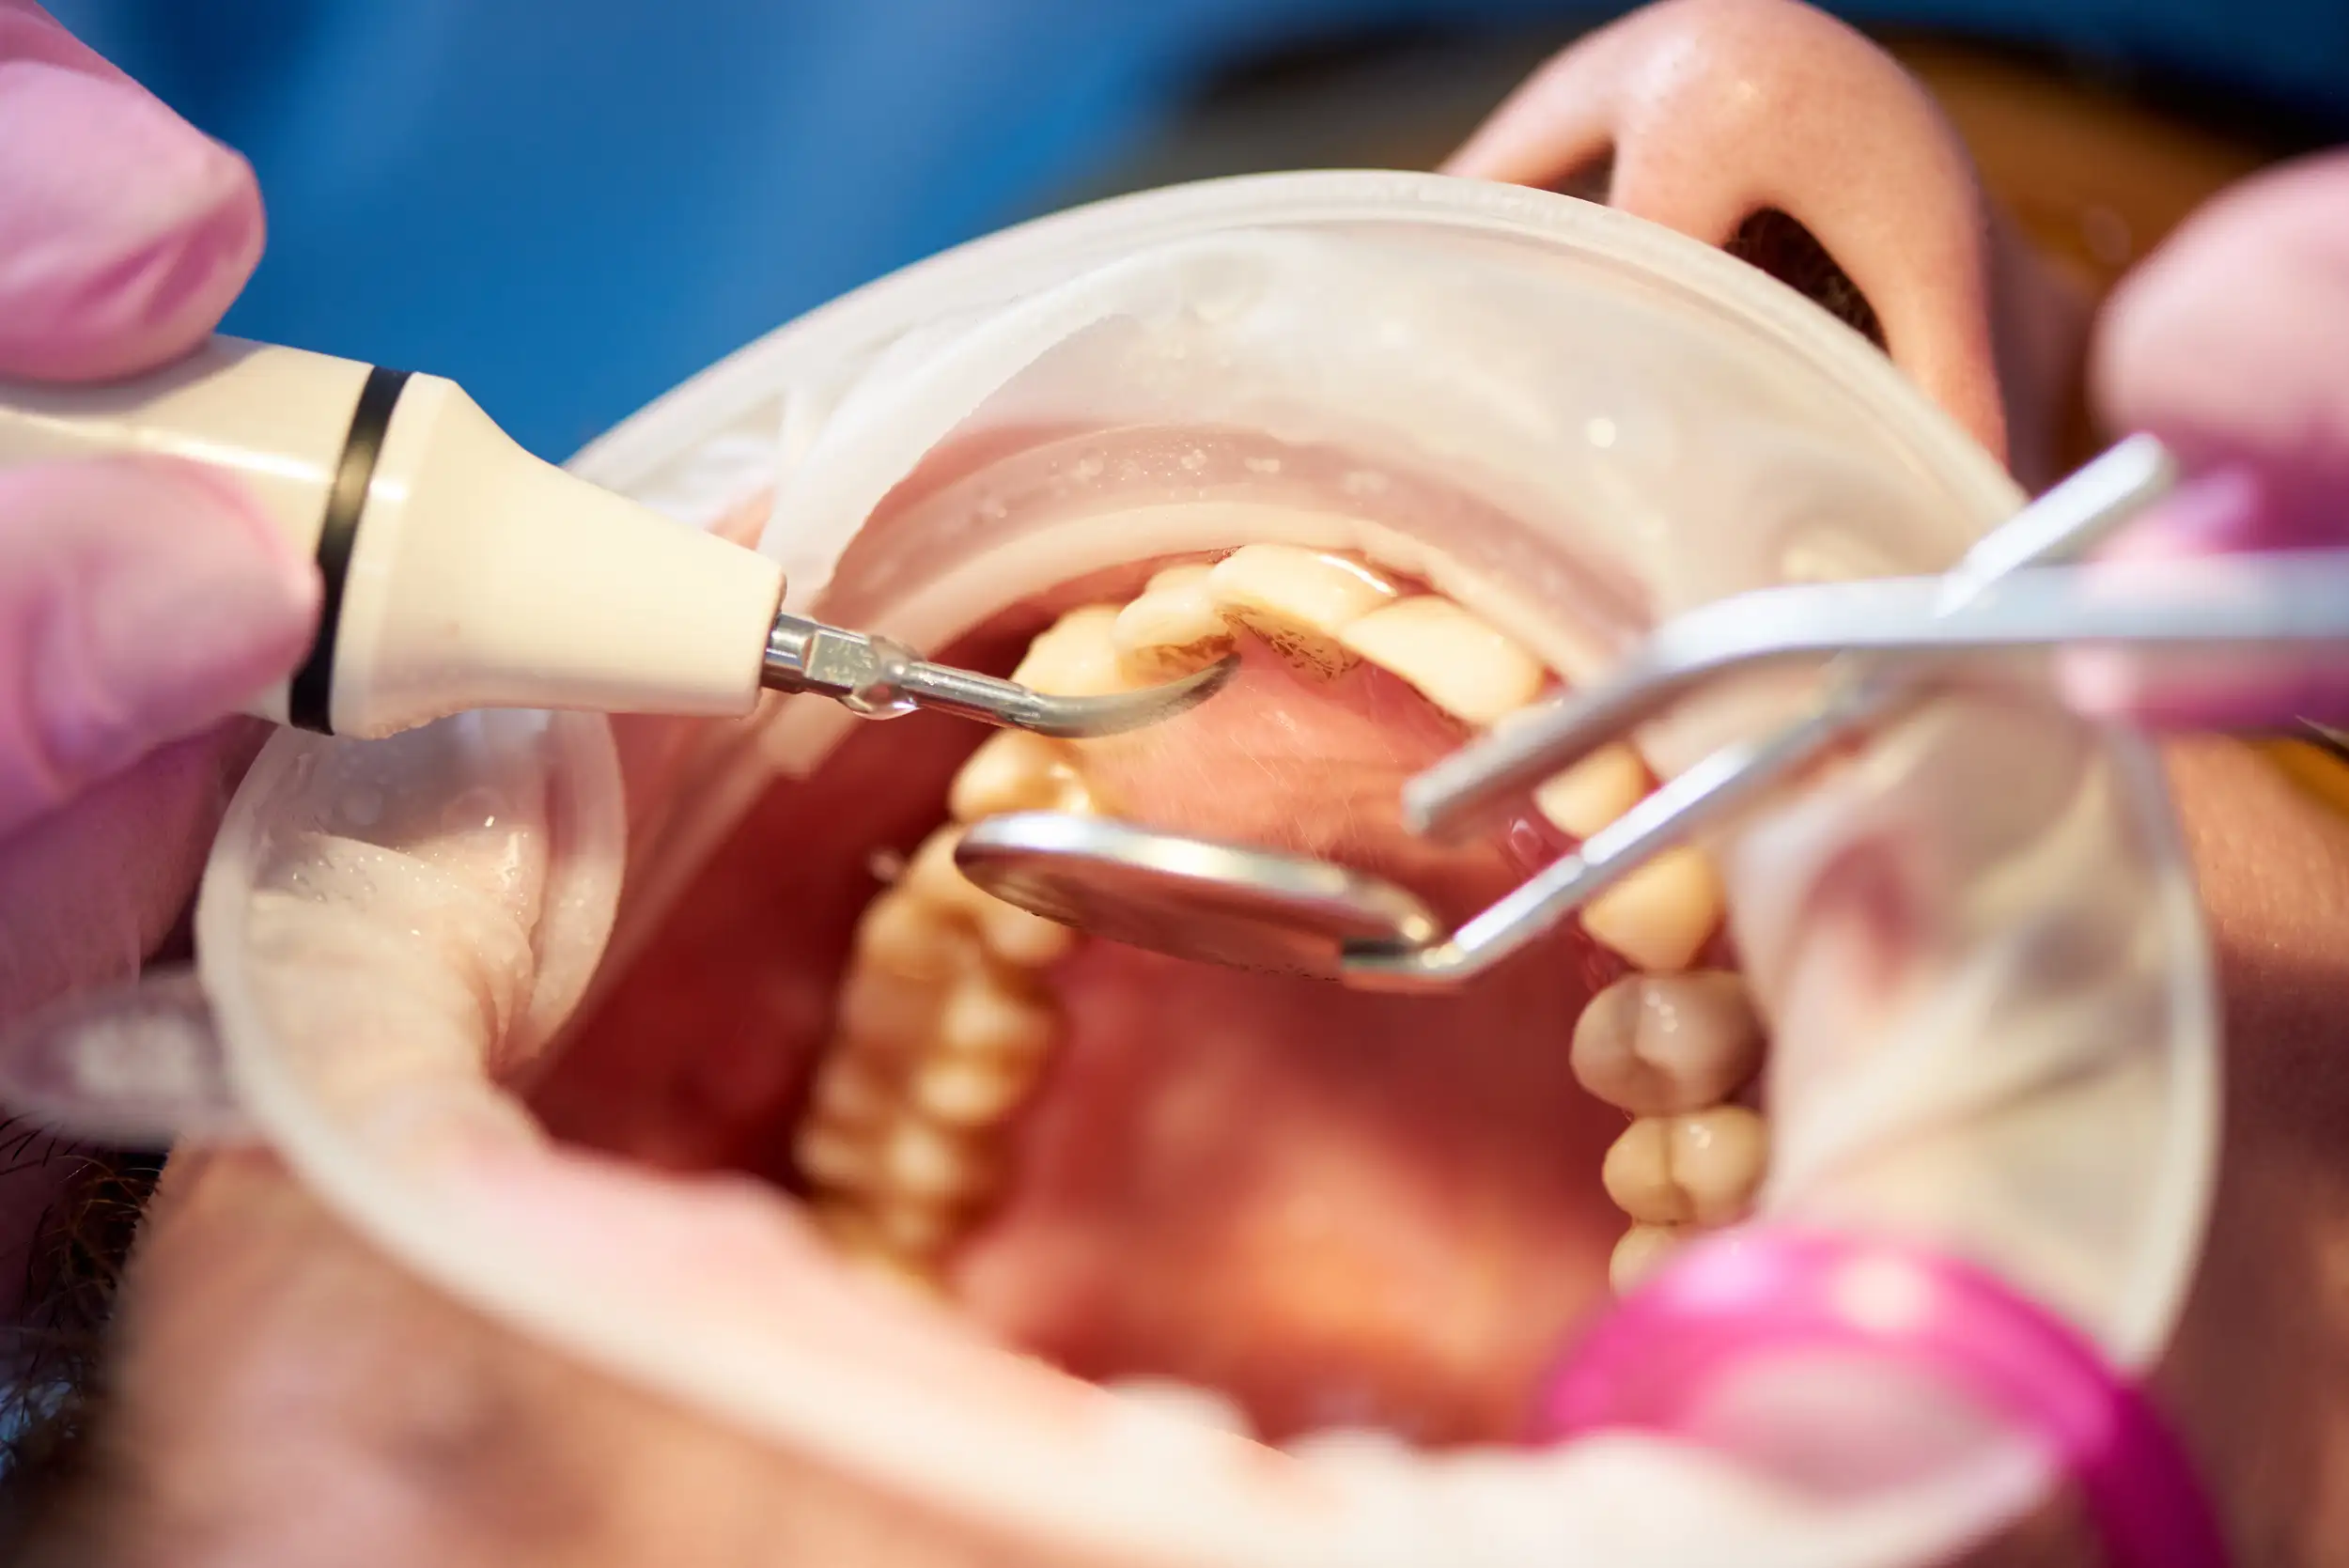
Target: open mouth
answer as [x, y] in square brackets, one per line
[1033, 1230]
[1285, 1206]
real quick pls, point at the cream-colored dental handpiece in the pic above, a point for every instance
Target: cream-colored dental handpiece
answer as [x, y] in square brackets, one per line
[460, 572]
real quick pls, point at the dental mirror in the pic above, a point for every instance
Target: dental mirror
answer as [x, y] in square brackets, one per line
[1195, 899]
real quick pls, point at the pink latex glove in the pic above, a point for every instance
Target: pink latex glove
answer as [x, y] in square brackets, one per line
[2232, 343]
[141, 602]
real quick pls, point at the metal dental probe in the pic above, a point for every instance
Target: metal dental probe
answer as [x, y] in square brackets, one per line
[1260, 908]
[462, 572]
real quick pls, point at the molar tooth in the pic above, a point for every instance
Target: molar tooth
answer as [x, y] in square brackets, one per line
[1637, 1174]
[1176, 626]
[1717, 1157]
[1472, 670]
[1659, 915]
[1697, 1169]
[1297, 601]
[1076, 656]
[1595, 791]
[1659, 1044]
[1012, 771]
[972, 1092]
[1637, 1254]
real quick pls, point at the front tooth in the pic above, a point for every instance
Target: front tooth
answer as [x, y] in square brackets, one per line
[1659, 915]
[1176, 626]
[1658, 1044]
[1637, 1254]
[1012, 771]
[1595, 791]
[1472, 670]
[1076, 656]
[1297, 601]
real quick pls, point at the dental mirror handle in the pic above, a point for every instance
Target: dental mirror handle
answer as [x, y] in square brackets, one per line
[460, 572]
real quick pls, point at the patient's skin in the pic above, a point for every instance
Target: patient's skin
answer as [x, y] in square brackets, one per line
[282, 1396]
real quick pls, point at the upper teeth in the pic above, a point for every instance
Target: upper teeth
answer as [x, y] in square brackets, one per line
[942, 1035]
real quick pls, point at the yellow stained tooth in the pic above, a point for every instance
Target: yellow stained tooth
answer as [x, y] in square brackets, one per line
[1595, 791]
[1658, 1044]
[1637, 1174]
[1013, 771]
[1176, 626]
[921, 1159]
[851, 1092]
[1076, 656]
[1717, 1157]
[1299, 600]
[1637, 1254]
[1008, 932]
[972, 1092]
[912, 938]
[1698, 1169]
[1470, 669]
[1659, 916]
[835, 1157]
[911, 1228]
[932, 875]
[1018, 938]
[983, 1019]
[883, 1014]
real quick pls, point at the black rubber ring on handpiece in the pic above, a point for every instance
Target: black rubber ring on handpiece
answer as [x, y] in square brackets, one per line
[310, 697]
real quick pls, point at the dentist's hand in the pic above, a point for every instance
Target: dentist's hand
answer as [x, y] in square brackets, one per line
[141, 602]
[2231, 344]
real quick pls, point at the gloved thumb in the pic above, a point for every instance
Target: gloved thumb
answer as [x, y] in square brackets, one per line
[140, 602]
[2231, 344]
[124, 231]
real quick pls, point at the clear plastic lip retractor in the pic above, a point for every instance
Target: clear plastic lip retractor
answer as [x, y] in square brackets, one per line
[1259, 908]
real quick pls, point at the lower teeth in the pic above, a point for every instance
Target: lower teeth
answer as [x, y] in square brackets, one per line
[946, 1023]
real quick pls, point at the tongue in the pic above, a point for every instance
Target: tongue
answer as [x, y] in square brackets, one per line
[1341, 1209]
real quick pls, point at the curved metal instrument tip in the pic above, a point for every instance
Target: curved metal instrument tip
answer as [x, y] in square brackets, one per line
[1089, 718]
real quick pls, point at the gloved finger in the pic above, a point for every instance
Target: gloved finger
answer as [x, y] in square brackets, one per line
[124, 231]
[2229, 344]
[140, 602]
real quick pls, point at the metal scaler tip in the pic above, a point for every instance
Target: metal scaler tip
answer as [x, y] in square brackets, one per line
[875, 677]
